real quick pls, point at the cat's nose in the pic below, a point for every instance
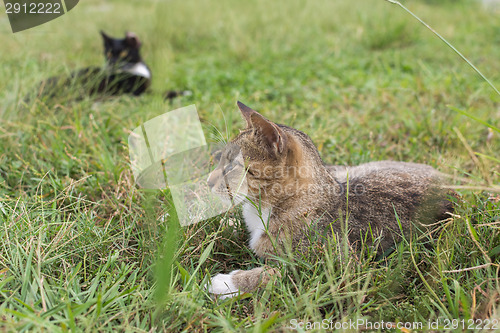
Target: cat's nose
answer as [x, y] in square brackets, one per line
[211, 180]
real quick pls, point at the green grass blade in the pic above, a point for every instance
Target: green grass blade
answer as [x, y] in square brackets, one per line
[496, 129]
[491, 158]
[448, 44]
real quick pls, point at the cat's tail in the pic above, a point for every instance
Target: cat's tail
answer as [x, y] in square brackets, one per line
[170, 94]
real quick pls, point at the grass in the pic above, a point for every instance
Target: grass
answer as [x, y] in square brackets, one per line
[82, 246]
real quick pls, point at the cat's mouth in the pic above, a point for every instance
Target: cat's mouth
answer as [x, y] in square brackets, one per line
[231, 192]
[223, 190]
[225, 196]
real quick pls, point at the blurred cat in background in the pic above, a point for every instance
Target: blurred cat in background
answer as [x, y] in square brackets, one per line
[125, 72]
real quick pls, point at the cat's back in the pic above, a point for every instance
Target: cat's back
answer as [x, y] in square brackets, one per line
[385, 195]
[379, 189]
[377, 182]
[382, 169]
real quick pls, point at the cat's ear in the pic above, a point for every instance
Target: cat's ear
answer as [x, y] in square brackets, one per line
[246, 112]
[274, 136]
[132, 40]
[107, 40]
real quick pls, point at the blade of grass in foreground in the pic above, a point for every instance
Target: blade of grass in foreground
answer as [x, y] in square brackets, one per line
[488, 157]
[447, 43]
[465, 113]
[166, 255]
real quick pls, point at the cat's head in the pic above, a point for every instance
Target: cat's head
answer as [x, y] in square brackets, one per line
[120, 52]
[276, 160]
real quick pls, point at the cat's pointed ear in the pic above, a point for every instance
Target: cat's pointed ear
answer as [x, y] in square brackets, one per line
[246, 112]
[132, 40]
[107, 40]
[274, 136]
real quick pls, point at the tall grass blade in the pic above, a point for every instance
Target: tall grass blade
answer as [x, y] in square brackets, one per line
[447, 43]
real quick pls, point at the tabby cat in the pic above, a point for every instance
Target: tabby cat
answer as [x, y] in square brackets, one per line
[290, 193]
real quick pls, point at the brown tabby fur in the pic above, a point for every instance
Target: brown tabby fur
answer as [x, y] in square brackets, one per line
[298, 194]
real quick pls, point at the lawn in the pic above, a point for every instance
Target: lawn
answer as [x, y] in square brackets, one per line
[84, 249]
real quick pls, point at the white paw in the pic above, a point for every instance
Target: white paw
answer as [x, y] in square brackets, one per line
[222, 285]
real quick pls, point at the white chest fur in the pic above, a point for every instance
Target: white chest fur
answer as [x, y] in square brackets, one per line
[255, 222]
[139, 69]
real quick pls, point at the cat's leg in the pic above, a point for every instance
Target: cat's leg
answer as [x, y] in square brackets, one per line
[239, 281]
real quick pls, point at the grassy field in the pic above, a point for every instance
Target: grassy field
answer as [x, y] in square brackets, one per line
[80, 243]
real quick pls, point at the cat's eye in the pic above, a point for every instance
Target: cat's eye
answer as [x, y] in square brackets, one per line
[123, 54]
[216, 157]
[228, 168]
[108, 54]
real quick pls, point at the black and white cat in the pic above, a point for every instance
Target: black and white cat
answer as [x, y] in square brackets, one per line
[124, 73]
[125, 70]
[128, 72]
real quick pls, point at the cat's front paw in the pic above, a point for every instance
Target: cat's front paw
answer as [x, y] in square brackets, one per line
[223, 286]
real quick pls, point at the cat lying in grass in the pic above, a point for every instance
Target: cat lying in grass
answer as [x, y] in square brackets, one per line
[125, 72]
[291, 194]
